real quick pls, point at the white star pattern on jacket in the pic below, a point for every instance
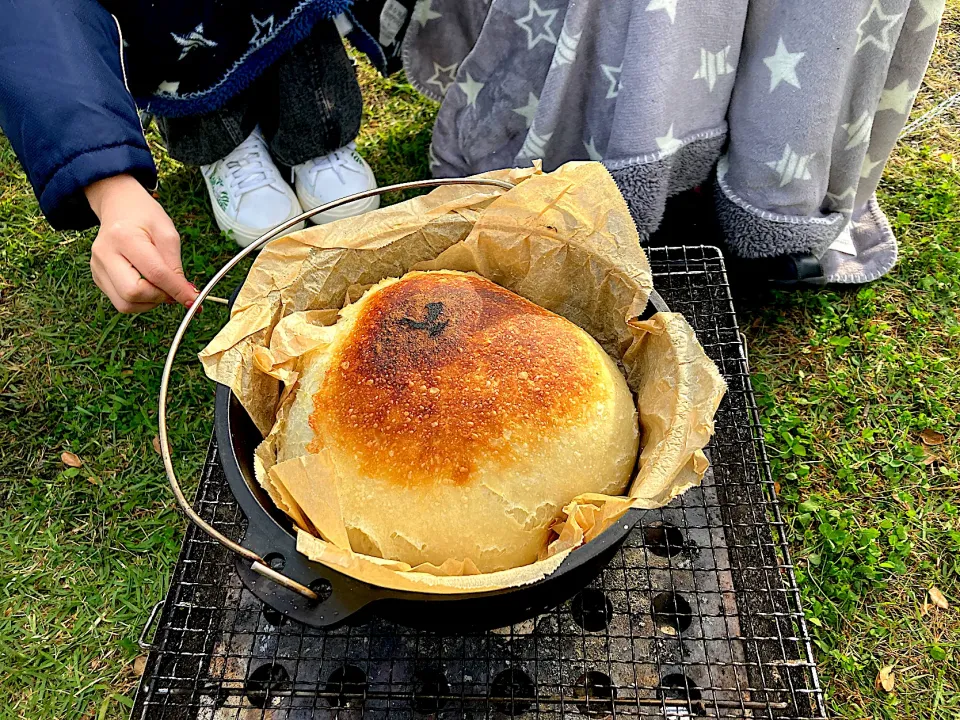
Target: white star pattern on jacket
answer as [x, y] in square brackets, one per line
[529, 110]
[443, 76]
[423, 13]
[932, 10]
[262, 30]
[668, 144]
[566, 51]
[783, 66]
[192, 40]
[883, 24]
[838, 199]
[668, 6]
[168, 87]
[545, 31]
[791, 166]
[471, 88]
[535, 145]
[612, 74]
[713, 65]
[897, 98]
[858, 131]
[592, 151]
[868, 166]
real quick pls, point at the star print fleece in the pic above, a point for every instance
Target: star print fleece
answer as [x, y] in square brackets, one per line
[796, 104]
[185, 58]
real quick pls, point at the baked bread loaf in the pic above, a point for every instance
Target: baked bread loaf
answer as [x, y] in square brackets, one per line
[460, 418]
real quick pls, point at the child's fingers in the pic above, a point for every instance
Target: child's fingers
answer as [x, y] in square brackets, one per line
[148, 262]
[103, 282]
[121, 282]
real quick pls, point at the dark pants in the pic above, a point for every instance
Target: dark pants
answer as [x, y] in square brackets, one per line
[307, 104]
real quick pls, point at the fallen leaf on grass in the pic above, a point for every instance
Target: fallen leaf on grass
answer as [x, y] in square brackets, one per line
[776, 488]
[70, 460]
[930, 457]
[885, 678]
[938, 599]
[94, 480]
[925, 609]
[156, 444]
[932, 437]
[139, 664]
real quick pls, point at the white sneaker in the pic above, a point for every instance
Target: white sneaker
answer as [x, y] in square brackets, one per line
[328, 178]
[248, 195]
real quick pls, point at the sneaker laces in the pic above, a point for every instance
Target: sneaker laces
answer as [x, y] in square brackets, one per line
[338, 161]
[247, 168]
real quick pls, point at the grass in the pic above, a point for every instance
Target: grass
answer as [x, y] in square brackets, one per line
[847, 380]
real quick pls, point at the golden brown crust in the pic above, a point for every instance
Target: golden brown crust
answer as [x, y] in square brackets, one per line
[443, 370]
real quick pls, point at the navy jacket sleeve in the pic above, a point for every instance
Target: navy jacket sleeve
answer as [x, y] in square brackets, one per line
[64, 104]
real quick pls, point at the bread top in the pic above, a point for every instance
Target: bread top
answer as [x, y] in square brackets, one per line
[437, 373]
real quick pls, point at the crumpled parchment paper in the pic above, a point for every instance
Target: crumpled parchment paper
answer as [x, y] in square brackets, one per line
[563, 240]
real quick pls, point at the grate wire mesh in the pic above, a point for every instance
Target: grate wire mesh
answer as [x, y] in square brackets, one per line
[697, 616]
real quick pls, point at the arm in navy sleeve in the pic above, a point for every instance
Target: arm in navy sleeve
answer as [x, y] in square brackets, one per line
[64, 104]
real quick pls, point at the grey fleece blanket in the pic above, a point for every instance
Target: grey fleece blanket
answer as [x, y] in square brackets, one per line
[797, 103]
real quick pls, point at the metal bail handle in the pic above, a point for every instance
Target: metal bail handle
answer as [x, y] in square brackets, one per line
[259, 565]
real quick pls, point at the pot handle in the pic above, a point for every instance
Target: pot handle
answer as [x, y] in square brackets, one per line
[258, 563]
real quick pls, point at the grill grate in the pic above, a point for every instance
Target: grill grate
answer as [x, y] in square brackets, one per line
[697, 616]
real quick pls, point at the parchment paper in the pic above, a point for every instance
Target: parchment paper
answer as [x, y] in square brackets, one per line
[564, 240]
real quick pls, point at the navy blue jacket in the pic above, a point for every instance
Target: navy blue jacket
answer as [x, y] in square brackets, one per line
[65, 89]
[64, 106]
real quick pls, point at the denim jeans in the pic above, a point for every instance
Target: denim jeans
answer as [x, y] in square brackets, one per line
[307, 104]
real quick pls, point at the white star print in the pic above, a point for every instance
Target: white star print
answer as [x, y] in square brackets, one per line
[262, 30]
[887, 22]
[668, 144]
[471, 88]
[791, 166]
[545, 32]
[443, 76]
[423, 13]
[838, 200]
[592, 151]
[868, 166]
[712, 65]
[932, 10]
[168, 88]
[529, 110]
[613, 77]
[535, 145]
[566, 51]
[192, 40]
[897, 98]
[858, 131]
[668, 6]
[783, 66]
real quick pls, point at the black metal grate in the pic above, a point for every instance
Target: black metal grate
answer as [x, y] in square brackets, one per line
[697, 616]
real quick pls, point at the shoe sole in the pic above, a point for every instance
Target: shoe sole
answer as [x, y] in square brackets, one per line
[357, 207]
[242, 234]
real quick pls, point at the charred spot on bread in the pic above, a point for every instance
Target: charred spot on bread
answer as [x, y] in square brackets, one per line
[441, 371]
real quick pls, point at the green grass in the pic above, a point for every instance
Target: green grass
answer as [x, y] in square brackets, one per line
[847, 380]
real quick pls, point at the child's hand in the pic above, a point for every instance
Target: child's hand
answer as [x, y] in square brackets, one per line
[135, 258]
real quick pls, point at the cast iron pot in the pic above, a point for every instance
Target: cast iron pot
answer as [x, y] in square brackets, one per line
[267, 560]
[270, 534]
